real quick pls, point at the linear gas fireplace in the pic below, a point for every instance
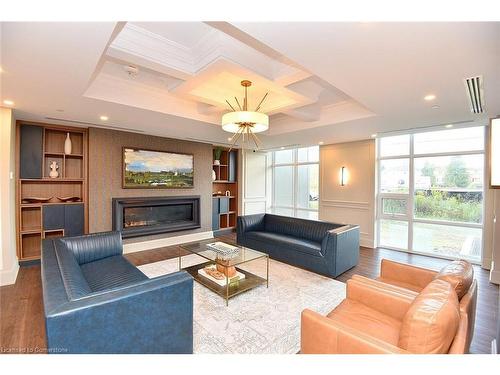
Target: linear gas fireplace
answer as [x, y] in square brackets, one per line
[153, 215]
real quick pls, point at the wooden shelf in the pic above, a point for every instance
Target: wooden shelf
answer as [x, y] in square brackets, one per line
[36, 180]
[63, 154]
[224, 182]
[23, 205]
[29, 231]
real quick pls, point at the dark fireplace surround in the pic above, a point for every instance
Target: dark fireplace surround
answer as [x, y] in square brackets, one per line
[136, 217]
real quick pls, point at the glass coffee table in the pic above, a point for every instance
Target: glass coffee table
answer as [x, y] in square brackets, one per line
[233, 280]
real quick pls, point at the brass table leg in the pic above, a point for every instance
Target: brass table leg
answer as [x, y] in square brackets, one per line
[227, 290]
[180, 258]
[267, 272]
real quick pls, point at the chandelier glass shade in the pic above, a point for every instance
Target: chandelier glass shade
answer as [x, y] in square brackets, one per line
[232, 121]
[244, 123]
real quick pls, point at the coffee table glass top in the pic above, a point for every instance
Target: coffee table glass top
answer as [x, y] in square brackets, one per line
[244, 255]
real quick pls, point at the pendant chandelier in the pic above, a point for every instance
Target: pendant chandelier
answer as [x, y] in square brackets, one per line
[244, 123]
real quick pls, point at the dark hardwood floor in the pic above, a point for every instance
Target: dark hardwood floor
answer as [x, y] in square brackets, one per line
[21, 312]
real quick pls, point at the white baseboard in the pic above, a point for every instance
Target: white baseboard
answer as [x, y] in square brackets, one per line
[8, 277]
[494, 274]
[168, 241]
[367, 243]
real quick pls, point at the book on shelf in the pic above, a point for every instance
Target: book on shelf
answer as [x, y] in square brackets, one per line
[238, 277]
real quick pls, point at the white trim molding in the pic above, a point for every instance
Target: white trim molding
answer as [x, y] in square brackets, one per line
[494, 274]
[8, 277]
[168, 241]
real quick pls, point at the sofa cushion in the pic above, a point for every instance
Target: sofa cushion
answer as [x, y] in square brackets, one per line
[459, 274]
[367, 320]
[310, 230]
[111, 272]
[73, 279]
[287, 242]
[431, 322]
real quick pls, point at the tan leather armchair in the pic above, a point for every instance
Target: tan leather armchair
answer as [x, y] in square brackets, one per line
[377, 320]
[410, 280]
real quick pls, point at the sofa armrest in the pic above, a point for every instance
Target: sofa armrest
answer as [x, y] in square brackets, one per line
[385, 301]
[95, 246]
[341, 245]
[153, 316]
[249, 223]
[385, 286]
[322, 335]
[405, 273]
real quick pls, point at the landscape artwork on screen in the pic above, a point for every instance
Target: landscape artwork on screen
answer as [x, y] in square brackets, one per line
[156, 169]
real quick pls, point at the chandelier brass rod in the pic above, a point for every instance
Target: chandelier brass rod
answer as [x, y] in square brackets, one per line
[229, 104]
[237, 102]
[235, 139]
[245, 104]
[256, 140]
[264, 98]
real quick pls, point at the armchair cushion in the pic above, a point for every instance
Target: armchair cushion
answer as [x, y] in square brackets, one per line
[111, 272]
[459, 274]
[431, 322]
[367, 320]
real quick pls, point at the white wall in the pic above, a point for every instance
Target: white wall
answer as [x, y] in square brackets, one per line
[355, 202]
[8, 260]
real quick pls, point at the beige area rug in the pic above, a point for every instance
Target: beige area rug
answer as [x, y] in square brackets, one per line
[262, 320]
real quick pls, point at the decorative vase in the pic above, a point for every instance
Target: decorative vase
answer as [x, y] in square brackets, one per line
[53, 170]
[216, 162]
[228, 271]
[214, 176]
[67, 145]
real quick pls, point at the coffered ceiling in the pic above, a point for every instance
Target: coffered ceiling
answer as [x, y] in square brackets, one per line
[328, 82]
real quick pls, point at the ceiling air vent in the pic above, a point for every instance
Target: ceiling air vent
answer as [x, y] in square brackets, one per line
[474, 88]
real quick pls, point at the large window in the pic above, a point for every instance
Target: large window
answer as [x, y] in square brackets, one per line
[430, 192]
[296, 182]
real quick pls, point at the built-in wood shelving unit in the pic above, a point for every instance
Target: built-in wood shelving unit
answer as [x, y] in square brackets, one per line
[37, 146]
[225, 207]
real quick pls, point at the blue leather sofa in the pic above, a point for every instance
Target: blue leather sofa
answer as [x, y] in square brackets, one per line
[96, 301]
[325, 248]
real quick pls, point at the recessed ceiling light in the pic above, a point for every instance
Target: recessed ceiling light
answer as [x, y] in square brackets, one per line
[229, 139]
[8, 102]
[104, 118]
[374, 135]
[435, 107]
[282, 148]
[321, 142]
[430, 97]
[448, 126]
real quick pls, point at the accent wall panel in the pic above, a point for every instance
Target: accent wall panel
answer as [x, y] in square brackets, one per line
[353, 203]
[105, 176]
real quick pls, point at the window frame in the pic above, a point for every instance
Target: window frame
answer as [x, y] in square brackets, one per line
[409, 217]
[295, 164]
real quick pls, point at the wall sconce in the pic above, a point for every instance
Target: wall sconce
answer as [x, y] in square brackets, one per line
[343, 176]
[495, 153]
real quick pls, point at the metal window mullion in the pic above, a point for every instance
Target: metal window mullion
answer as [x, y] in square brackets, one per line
[411, 191]
[295, 182]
